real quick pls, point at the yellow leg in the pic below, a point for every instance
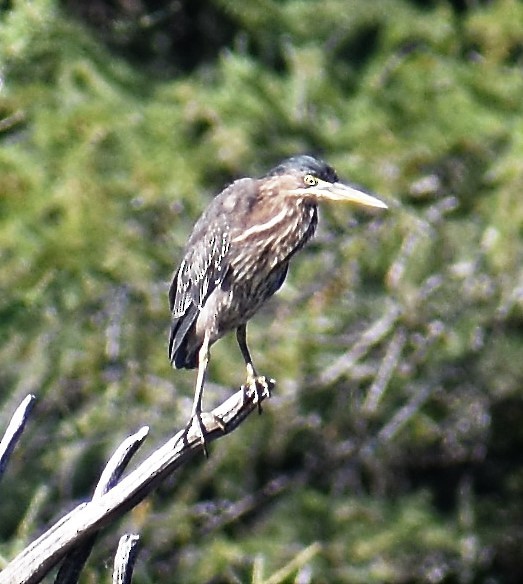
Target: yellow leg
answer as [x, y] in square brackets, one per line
[253, 379]
[241, 336]
[203, 360]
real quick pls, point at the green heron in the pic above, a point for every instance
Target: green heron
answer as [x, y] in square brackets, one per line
[237, 257]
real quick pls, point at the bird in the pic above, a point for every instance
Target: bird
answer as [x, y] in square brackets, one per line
[238, 255]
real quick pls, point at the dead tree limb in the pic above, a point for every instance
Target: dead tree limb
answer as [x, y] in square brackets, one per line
[125, 558]
[75, 559]
[14, 430]
[33, 563]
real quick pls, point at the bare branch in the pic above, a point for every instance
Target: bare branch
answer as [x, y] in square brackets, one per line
[14, 430]
[302, 558]
[385, 371]
[10, 121]
[75, 560]
[33, 563]
[125, 558]
[402, 416]
[119, 461]
[371, 337]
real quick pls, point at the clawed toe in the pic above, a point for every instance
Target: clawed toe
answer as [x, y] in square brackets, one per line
[260, 386]
[201, 430]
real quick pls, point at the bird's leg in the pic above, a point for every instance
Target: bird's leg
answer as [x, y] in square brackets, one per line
[253, 379]
[203, 360]
[241, 335]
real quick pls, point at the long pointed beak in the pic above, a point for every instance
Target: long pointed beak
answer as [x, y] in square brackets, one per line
[326, 191]
[341, 192]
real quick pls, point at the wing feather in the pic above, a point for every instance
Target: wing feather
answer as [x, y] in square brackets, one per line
[203, 267]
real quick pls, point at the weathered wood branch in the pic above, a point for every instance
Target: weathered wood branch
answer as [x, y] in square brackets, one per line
[75, 559]
[125, 558]
[33, 563]
[14, 430]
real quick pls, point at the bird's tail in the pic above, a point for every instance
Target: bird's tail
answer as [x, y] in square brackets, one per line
[183, 344]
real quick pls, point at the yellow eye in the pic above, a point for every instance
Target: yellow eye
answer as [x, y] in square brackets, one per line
[310, 180]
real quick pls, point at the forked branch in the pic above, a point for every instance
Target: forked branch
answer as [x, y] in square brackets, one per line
[78, 526]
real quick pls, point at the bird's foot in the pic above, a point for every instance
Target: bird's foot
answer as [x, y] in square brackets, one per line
[201, 429]
[260, 386]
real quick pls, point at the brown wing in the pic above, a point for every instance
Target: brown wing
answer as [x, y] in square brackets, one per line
[203, 267]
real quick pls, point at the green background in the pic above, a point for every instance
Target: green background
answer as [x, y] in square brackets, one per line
[392, 448]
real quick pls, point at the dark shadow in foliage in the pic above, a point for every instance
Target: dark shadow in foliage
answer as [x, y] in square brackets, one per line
[166, 37]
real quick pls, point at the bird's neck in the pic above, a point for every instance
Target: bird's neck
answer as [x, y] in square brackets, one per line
[296, 225]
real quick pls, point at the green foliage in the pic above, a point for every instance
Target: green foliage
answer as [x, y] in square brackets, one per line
[391, 449]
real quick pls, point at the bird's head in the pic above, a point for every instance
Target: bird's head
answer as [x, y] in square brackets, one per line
[307, 177]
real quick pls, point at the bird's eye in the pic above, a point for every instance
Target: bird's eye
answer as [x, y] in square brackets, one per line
[310, 180]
